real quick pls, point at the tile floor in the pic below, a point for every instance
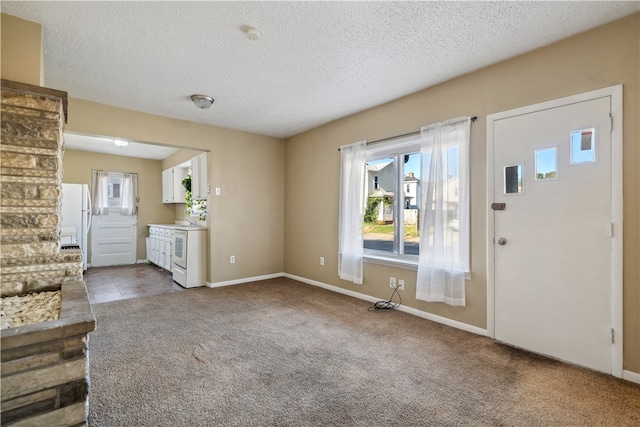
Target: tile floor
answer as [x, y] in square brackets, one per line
[106, 284]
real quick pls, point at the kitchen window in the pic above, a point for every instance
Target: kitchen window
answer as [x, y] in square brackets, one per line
[114, 192]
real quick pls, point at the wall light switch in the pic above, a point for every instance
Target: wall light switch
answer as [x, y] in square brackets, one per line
[321, 260]
[217, 191]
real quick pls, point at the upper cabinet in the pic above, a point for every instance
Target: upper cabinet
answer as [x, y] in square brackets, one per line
[200, 176]
[172, 189]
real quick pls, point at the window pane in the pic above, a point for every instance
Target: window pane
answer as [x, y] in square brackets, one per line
[115, 190]
[411, 203]
[379, 218]
[546, 164]
[513, 179]
[446, 210]
[583, 146]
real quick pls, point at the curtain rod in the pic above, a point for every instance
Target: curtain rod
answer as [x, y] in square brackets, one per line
[473, 119]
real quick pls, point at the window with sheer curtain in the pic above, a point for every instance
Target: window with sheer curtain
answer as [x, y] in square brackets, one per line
[114, 193]
[444, 239]
[351, 212]
[405, 202]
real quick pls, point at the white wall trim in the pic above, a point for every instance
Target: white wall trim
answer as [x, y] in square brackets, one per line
[243, 280]
[615, 92]
[142, 261]
[634, 377]
[404, 308]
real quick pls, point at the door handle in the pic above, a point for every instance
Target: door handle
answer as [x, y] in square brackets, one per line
[501, 241]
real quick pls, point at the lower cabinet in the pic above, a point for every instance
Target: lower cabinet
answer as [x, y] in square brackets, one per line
[159, 246]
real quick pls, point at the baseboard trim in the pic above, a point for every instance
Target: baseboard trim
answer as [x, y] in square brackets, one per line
[634, 377]
[243, 280]
[410, 310]
[142, 261]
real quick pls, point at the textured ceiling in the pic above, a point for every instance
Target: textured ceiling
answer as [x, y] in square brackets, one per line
[315, 61]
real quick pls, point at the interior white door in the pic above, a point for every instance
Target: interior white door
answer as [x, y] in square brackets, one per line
[552, 290]
[113, 240]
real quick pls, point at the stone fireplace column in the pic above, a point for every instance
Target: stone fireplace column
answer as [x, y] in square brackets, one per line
[44, 365]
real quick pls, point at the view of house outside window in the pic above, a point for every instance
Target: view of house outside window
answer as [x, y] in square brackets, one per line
[392, 197]
[392, 218]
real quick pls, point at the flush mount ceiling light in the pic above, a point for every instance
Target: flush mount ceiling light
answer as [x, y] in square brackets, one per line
[250, 32]
[121, 142]
[202, 101]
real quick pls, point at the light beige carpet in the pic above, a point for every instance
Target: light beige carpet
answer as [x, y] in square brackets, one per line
[283, 353]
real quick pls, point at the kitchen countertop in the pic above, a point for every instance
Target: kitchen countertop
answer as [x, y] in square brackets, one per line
[178, 226]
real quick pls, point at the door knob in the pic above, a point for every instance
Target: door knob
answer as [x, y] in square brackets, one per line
[502, 241]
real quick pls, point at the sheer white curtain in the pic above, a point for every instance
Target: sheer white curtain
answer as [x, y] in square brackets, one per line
[129, 193]
[100, 193]
[444, 219]
[351, 238]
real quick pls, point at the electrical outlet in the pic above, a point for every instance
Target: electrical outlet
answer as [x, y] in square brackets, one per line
[392, 282]
[232, 259]
[321, 260]
[401, 284]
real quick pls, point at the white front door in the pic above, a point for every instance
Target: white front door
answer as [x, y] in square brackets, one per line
[552, 228]
[113, 240]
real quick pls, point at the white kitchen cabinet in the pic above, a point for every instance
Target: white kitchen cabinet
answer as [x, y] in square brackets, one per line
[167, 186]
[200, 176]
[152, 246]
[172, 189]
[160, 241]
[166, 249]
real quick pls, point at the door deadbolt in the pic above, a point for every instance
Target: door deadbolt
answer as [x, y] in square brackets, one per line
[501, 241]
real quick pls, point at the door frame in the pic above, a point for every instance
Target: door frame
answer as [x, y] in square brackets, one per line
[615, 92]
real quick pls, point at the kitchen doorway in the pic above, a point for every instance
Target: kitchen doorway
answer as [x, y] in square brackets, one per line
[115, 220]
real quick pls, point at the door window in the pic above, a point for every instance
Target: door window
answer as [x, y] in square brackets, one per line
[583, 146]
[513, 179]
[546, 164]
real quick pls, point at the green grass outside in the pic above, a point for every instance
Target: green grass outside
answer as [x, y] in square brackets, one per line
[409, 231]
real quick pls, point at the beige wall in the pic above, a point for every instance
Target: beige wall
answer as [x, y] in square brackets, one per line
[77, 166]
[603, 57]
[21, 50]
[246, 220]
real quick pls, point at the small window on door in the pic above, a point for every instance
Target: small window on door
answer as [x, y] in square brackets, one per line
[115, 192]
[513, 179]
[583, 146]
[546, 164]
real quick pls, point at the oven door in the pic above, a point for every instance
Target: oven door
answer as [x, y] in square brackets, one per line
[180, 275]
[180, 248]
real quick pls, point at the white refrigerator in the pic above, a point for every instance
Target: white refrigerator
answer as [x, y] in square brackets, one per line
[76, 217]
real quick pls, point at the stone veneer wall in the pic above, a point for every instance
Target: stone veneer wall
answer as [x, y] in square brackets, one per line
[30, 176]
[44, 366]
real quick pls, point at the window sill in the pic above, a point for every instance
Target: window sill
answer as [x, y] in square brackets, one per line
[407, 264]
